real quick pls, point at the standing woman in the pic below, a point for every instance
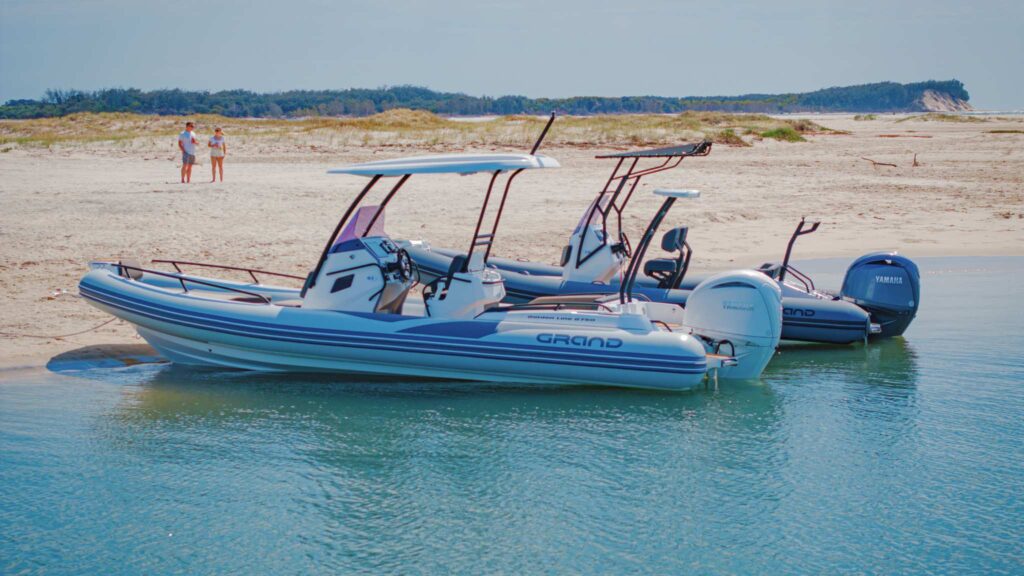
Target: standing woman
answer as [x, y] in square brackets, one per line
[218, 150]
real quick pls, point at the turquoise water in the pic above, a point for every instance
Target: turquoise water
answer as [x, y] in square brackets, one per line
[906, 456]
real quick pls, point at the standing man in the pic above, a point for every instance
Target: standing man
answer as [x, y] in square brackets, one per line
[187, 143]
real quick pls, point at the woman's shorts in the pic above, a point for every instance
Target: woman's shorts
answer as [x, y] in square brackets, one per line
[188, 159]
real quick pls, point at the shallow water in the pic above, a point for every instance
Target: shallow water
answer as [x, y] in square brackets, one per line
[906, 456]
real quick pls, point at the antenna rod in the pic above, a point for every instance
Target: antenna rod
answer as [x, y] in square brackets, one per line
[536, 144]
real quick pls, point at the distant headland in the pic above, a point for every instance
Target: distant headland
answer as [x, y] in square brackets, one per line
[933, 96]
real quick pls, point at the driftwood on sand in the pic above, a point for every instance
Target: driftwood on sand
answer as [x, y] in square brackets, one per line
[876, 164]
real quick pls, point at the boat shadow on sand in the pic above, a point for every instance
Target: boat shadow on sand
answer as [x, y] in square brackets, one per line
[104, 356]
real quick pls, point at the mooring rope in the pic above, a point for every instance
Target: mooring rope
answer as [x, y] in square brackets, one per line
[96, 327]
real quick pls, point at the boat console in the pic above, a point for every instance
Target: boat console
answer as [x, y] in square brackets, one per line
[604, 259]
[362, 270]
[368, 274]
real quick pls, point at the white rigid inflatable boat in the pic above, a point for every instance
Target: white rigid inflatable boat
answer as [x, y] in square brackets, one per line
[355, 315]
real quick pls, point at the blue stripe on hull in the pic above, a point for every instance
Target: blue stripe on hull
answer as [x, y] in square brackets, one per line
[831, 324]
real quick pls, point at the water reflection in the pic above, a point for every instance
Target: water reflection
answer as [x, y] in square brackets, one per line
[889, 362]
[874, 385]
[424, 464]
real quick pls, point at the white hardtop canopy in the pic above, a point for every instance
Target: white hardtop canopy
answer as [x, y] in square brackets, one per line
[449, 164]
[677, 193]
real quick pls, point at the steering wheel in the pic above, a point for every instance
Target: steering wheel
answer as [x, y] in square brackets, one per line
[404, 265]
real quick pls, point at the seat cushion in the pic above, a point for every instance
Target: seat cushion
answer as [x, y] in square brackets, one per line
[660, 265]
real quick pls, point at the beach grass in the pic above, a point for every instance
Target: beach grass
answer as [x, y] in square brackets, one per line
[729, 137]
[862, 117]
[404, 127]
[784, 133]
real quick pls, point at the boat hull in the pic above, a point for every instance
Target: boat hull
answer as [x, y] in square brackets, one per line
[191, 329]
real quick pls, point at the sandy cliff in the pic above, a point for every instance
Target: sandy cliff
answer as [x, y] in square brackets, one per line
[933, 101]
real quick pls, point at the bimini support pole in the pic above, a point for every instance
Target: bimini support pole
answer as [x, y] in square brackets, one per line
[626, 289]
[479, 240]
[501, 208]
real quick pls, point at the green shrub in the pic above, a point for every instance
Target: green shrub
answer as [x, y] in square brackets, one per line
[728, 137]
[784, 133]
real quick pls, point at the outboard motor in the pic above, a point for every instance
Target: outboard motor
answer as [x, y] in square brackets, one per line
[739, 314]
[888, 286]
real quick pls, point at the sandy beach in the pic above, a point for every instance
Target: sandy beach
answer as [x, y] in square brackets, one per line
[66, 204]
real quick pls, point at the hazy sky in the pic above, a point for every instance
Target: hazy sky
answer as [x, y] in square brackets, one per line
[534, 48]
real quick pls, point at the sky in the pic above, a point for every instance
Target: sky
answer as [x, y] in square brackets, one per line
[547, 48]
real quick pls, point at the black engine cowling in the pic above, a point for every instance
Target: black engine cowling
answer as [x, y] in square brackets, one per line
[886, 285]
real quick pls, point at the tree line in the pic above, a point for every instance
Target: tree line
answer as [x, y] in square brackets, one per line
[877, 97]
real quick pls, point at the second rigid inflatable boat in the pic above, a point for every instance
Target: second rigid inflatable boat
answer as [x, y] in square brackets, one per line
[879, 297]
[356, 312]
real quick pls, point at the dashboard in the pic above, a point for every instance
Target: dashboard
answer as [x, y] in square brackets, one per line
[379, 246]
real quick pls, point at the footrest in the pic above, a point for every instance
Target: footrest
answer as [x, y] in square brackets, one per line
[721, 361]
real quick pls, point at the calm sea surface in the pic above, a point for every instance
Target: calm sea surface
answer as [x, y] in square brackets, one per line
[906, 456]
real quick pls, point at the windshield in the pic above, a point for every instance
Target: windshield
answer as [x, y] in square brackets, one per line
[356, 227]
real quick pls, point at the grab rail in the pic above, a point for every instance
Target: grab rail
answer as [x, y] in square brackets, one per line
[663, 324]
[803, 278]
[183, 279]
[553, 306]
[252, 271]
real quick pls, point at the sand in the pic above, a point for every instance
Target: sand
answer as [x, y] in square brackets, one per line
[62, 206]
